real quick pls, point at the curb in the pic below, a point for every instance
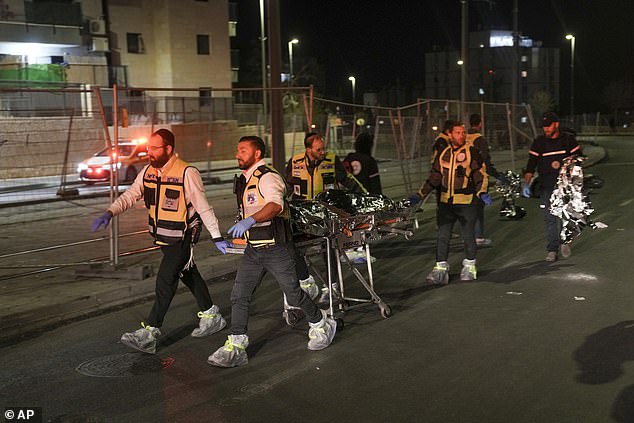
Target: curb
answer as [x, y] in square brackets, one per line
[27, 324]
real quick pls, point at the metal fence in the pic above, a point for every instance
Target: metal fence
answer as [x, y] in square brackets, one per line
[45, 134]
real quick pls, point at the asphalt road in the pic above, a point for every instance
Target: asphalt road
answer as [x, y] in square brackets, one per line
[529, 341]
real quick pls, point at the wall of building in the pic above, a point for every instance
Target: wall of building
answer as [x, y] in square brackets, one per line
[169, 29]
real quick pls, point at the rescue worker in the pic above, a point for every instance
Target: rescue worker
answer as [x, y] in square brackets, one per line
[477, 140]
[261, 192]
[442, 141]
[174, 195]
[316, 170]
[362, 165]
[310, 173]
[546, 156]
[458, 173]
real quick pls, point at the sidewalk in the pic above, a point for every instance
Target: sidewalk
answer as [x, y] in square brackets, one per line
[41, 302]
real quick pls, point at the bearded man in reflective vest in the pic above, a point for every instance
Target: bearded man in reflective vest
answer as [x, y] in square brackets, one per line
[459, 175]
[264, 222]
[177, 206]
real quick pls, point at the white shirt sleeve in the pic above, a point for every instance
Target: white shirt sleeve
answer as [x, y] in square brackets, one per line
[195, 193]
[273, 188]
[130, 196]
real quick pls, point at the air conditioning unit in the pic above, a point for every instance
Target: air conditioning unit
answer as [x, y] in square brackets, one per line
[100, 44]
[97, 27]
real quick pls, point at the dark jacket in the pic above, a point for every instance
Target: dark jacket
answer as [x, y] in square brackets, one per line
[459, 174]
[547, 154]
[365, 169]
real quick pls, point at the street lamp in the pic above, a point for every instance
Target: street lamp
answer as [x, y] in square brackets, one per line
[290, 58]
[572, 38]
[354, 82]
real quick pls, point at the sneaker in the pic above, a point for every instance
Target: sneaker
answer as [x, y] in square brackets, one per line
[309, 287]
[565, 250]
[321, 333]
[551, 256]
[483, 242]
[232, 354]
[143, 339]
[468, 272]
[440, 274]
[210, 322]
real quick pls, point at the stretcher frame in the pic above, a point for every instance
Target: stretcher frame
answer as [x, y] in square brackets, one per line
[365, 228]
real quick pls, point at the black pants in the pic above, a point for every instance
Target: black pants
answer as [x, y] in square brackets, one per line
[175, 257]
[302, 267]
[446, 216]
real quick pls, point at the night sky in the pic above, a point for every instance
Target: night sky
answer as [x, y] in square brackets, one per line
[382, 41]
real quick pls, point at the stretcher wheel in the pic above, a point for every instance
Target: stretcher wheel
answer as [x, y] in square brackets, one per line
[292, 317]
[386, 310]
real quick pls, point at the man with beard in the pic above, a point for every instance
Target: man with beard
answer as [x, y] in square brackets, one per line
[459, 176]
[264, 223]
[174, 195]
[546, 156]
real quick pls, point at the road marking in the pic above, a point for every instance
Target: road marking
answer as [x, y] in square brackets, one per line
[626, 202]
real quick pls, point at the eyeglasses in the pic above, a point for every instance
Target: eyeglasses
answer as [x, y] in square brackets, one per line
[153, 148]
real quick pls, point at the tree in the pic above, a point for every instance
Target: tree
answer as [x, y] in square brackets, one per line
[541, 102]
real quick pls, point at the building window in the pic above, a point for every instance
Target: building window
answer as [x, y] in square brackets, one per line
[233, 28]
[202, 43]
[524, 74]
[204, 96]
[135, 43]
[234, 76]
[524, 59]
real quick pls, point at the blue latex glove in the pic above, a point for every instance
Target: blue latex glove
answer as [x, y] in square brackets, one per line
[486, 199]
[241, 227]
[526, 190]
[414, 199]
[222, 246]
[102, 220]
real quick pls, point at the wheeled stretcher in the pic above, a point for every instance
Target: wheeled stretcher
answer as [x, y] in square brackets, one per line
[337, 233]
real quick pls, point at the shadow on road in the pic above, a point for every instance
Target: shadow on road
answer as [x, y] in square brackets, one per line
[600, 360]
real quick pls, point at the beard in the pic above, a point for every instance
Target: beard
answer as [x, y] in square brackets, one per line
[159, 161]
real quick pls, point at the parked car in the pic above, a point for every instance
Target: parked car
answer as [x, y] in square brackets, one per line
[131, 158]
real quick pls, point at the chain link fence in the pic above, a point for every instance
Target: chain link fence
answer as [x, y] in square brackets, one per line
[48, 135]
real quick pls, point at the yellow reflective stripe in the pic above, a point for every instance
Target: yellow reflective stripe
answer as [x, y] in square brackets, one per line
[229, 346]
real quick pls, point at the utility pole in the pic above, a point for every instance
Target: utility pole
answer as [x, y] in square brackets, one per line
[265, 106]
[275, 59]
[515, 56]
[463, 53]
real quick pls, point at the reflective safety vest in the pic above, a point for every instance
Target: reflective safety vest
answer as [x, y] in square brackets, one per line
[307, 186]
[440, 143]
[458, 185]
[251, 201]
[167, 206]
[472, 137]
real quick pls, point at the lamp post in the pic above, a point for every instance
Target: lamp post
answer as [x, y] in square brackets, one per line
[290, 59]
[572, 38]
[353, 80]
